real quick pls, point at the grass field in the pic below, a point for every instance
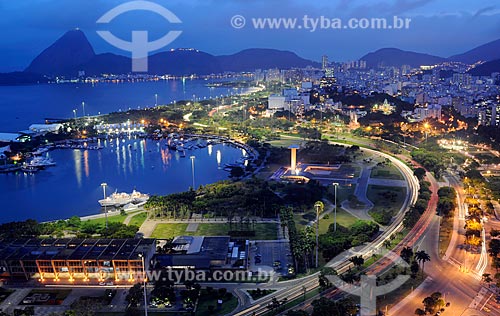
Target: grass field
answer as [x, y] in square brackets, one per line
[206, 299]
[286, 142]
[386, 197]
[344, 218]
[111, 218]
[263, 231]
[169, 230]
[386, 172]
[138, 219]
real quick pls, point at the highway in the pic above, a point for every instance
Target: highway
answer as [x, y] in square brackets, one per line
[457, 274]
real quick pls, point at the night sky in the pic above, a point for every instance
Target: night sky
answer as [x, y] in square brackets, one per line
[439, 27]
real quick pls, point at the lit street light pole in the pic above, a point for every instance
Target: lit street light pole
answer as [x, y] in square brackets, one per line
[83, 107]
[144, 284]
[335, 185]
[318, 205]
[103, 185]
[156, 99]
[74, 113]
[192, 169]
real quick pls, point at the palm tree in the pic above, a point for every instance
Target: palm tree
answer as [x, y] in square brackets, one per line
[406, 254]
[319, 206]
[422, 257]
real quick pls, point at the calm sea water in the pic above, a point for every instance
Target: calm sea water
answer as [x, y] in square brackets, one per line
[22, 106]
[73, 186]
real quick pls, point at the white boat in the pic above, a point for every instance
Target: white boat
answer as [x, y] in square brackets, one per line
[40, 151]
[116, 199]
[119, 199]
[29, 169]
[138, 197]
[41, 162]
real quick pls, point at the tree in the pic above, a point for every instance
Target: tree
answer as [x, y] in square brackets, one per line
[422, 257]
[429, 304]
[324, 282]
[419, 173]
[420, 312]
[237, 172]
[358, 261]
[414, 268]
[486, 278]
[407, 254]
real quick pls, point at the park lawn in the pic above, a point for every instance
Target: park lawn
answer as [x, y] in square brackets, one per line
[118, 218]
[263, 231]
[286, 142]
[343, 193]
[386, 172]
[169, 230]
[138, 219]
[381, 202]
[344, 218]
[207, 299]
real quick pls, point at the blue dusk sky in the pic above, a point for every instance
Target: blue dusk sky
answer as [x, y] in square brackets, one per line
[439, 27]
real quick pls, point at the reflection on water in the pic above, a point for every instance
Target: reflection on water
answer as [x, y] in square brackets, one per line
[77, 154]
[209, 149]
[72, 187]
[86, 163]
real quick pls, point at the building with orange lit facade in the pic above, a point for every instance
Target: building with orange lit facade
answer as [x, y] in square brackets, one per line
[75, 260]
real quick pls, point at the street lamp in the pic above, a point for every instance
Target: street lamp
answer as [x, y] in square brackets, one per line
[335, 185]
[156, 99]
[74, 113]
[318, 205]
[104, 185]
[192, 169]
[144, 284]
[83, 107]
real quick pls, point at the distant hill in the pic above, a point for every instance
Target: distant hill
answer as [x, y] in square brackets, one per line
[251, 59]
[73, 52]
[487, 52]
[397, 57]
[486, 69]
[62, 57]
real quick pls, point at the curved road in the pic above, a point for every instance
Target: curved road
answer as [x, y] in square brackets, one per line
[295, 288]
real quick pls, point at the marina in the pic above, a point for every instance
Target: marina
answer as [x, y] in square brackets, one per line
[73, 185]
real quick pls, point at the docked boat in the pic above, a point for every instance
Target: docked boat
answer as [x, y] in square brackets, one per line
[119, 199]
[138, 197]
[29, 169]
[40, 151]
[41, 162]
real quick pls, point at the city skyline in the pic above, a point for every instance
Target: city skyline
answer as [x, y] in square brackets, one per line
[459, 30]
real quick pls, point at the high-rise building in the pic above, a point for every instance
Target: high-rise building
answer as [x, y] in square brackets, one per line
[324, 62]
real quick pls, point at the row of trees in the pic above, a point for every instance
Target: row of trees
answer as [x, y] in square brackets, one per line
[75, 226]
[447, 201]
[252, 197]
[424, 195]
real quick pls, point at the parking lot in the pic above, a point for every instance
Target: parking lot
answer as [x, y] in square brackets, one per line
[270, 253]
